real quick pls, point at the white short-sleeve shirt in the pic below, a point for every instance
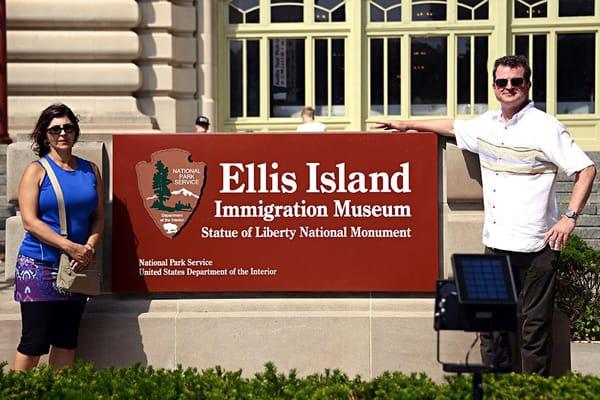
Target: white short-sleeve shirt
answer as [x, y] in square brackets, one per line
[314, 126]
[519, 160]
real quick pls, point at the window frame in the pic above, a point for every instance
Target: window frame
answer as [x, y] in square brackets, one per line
[552, 26]
[357, 30]
[264, 31]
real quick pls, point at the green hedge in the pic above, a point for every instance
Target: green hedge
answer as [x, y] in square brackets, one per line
[578, 293]
[83, 381]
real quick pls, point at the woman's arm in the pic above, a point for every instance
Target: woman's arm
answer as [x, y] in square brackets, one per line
[96, 220]
[29, 191]
[97, 223]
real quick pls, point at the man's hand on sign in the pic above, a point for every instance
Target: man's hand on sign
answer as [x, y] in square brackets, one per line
[401, 126]
[444, 127]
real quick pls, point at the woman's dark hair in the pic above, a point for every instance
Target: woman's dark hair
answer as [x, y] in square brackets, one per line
[40, 145]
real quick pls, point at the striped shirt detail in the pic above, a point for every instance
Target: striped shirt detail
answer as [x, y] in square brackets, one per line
[518, 160]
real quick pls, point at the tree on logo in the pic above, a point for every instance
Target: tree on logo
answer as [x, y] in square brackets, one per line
[160, 186]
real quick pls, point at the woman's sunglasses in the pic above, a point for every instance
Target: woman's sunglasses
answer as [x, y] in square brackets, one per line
[57, 129]
[515, 82]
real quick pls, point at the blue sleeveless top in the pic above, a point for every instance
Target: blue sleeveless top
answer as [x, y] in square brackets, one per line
[81, 199]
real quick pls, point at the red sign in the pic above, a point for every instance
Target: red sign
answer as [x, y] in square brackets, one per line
[275, 212]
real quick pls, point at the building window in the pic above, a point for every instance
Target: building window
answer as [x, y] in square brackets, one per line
[420, 58]
[428, 75]
[286, 77]
[535, 48]
[329, 77]
[531, 8]
[575, 8]
[472, 75]
[330, 11]
[472, 9]
[385, 11]
[385, 76]
[429, 10]
[244, 78]
[575, 72]
[287, 11]
[243, 12]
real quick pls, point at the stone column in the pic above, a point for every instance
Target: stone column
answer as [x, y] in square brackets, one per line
[207, 61]
[168, 54]
[80, 52]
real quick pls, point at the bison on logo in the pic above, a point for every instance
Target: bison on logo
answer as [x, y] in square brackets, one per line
[170, 186]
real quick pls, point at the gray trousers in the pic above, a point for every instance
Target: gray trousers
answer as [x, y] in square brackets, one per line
[529, 349]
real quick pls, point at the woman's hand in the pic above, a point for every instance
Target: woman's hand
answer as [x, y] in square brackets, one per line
[81, 255]
[76, 266]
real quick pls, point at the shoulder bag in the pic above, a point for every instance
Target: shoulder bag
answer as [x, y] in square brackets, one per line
[86, 281]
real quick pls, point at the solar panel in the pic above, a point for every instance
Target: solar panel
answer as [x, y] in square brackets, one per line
[483, 279]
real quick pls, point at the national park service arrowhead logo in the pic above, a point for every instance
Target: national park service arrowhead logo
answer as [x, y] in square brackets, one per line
[170, 186]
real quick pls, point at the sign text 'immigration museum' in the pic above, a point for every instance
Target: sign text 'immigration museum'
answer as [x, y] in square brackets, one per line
[275, 212]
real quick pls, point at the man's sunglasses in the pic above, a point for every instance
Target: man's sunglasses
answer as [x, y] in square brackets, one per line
[57, 129]
[515, 82]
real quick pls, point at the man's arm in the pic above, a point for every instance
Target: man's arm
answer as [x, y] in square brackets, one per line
[444, 127]
[557, 235]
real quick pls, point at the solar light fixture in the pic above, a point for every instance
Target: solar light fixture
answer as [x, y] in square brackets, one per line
[481, 298]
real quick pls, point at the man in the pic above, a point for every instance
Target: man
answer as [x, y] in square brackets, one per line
[308, 121]
[202, 124]
[520, 149]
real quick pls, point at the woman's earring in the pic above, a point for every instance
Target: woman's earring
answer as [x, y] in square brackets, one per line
[46, 143]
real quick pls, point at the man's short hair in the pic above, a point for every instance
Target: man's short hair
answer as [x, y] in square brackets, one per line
[309, 111]
[513, 62]
[202, 120]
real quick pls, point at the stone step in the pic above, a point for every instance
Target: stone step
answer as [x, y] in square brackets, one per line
[3, 199]
[592, 233]
[562, 177]
[594, 156]
[7, 210]
[590, 209]
[3, 184]
[567, 186]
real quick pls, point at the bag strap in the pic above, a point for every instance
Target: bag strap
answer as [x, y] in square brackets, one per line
[62, 212]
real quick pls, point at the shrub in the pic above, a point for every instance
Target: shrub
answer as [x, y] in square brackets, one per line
[84, 382]
[578, 291]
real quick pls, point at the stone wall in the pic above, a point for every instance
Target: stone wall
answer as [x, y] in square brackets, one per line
[167, 60]
[588, 223]
[122, 65]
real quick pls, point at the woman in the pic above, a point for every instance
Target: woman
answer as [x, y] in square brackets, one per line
[50, 316]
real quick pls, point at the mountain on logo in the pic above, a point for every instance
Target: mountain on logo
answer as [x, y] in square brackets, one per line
[184, 192]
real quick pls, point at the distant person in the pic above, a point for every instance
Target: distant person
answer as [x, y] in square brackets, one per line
[202, 124]
[50, 316]
[308, 121]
